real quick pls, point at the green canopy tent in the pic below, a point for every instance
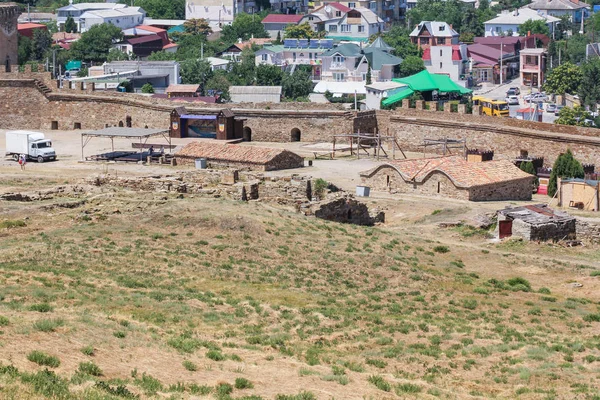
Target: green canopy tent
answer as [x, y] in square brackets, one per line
[425, 82]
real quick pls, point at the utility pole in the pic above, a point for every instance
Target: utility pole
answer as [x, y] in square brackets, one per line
[501, 51]
[54, 63]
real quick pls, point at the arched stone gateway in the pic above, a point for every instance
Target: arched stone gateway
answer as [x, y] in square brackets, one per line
[247, 134]
[295, 135]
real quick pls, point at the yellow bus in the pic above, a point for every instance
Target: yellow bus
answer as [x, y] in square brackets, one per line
[496, 108]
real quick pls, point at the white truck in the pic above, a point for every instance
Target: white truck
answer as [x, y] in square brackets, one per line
[33, 144]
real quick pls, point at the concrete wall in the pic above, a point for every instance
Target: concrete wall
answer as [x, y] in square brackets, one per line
[9, 13]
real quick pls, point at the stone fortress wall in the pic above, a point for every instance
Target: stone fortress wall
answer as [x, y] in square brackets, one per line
[32, 100]
[9, 13]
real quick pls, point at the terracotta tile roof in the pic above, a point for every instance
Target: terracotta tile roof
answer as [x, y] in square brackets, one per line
[230, 152]
[30, 25]
[150, 28]
[182, 88]
[462, 173]
[282, 19]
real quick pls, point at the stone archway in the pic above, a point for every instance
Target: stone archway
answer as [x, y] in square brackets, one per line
[295, 135]
[247, 134]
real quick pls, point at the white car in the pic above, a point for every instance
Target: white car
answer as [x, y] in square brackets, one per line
[512, 100]
[536, 97]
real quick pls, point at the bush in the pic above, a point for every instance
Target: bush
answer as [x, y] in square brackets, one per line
[407, 388]
[8, 224]
[43, 307]
[223, 389]
[380, 383]
[88, 350]
[190, 366]
[48, 384]
[147, 88]
[300, 396]
[3, 320]
[243, 383]
[441, 249]
[89, 368]
[215, 355]
[592, 318]
[319, 187]
[41, 358]
[519, 284]
[48, 325]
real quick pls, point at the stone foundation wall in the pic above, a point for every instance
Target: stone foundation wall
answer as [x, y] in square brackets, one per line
[588, 231]
[520, 189]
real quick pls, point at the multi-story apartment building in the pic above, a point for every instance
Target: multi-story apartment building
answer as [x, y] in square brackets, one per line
[433, 33]
[344, 23]
[387, 10]
[218, 12]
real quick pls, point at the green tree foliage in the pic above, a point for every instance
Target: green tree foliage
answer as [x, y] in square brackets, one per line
[70, 25]
[297, 85]
[218, 85]
[161, 56]
[410, 66]
[161, 9]
[573, 116]
[196, 71]
[197, 26]
[589, 91]
[52, 26]
[575, 48]
[24, 50]
[95, 44]
[301, 31]
[461, 16]
[565, 78]
[369, 78]
[278, 39]
[244, 26]
[41, 43]
[565, 166]
[148, 88]
[530, 169]
[397, 37]
[243, 73]
[117, 55]
[470, 23]
[538, 26]
[268, 75]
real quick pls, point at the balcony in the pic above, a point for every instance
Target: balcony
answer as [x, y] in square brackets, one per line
[337, 66]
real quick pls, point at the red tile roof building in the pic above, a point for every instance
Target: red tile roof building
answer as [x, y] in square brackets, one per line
[452, 177]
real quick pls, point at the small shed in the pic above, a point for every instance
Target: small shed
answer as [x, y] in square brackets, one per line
[182, 90]
[536, 222]
[255, 94]
[221, 125]
[239, 156]
[583, 194]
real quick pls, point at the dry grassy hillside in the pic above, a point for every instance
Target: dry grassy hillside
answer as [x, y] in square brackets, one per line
[141, 295]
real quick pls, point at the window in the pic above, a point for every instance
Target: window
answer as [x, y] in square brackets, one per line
[333, 28]
[352, 5]
[294, 56]
[310, 56]
[442, 28]
[441, 52]
[373, 5]
[338, 59]
[361, 28]
[424, 40]
[264, 57]
[364, 76]
[338, 76]
[311, 18]
[440, 65]
[498, 29]
[345, 28]
[441, 40]
[338, 13]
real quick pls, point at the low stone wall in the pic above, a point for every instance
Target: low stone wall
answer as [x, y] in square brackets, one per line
[520, 189]
[348, 210]
[589, 231]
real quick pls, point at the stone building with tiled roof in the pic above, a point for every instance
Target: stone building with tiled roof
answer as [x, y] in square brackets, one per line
[452, 177]
[237, 156]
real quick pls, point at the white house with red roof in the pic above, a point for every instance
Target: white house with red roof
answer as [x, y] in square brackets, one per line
[449, 60]
[276, 23]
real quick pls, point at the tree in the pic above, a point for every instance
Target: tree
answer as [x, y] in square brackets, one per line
[410, 66]
[450, 11]
[161, 9]
[530, 169]
[296, 85]
[533, 27]
[470, 23]
[148, 88]
[218, 85]
[161, 56]
[197, 26]
[565, 78]
[466, 37]
[244, 73]
[278, 40]
[24, 50]
[398, 38]
[96, 42]
[576, 116]
[52, 26]
[117, 55]
[70, 25]
[302, 31]
[589, 91]
[196, 72]
[369, 77]
[575, 48]
[565, 166]
[268, 75]
[41, 43]
[244, 27]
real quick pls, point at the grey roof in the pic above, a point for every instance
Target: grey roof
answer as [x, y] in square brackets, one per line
[369, 16]
[537, 214]
[255, 90]
[377, 58]
[380, 44]
[557, 5]
[435, 28]
[125, 132]
[347, 50]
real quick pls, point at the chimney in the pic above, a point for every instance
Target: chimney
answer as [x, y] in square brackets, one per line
[528, 33]
[575, 1]
[450, 26]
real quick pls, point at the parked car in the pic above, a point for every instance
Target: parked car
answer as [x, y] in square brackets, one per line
[551, 108]
[512, 100]
[558, 108]
[534, 97]
[511, 92]
[516, 90]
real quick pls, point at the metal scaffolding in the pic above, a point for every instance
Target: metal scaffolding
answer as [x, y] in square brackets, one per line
[367, 142]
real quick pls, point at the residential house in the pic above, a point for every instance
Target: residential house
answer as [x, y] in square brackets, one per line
[36, 17]
[296, 52]
[217, 12]
[387, 10]
[123, 18]
[76, 10]
[176, 90]
[218, 63]
[160, 74]
[28, 29]
[450, 60]
[350, 63]
[484, 61]
[356, 24]
[533, 67]
[290, 6]
[234, 51]
[507, 23]
[575, 9]
[433, 33]
[149, 31]
[276, 23]
[377, 91]
[140, 47]
[326, 12]
[452, 177]
[536, 222]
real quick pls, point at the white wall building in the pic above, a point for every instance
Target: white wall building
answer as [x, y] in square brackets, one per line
[509, 21]
[377, 91]
[76, 10]
[124, 18]
[446, 60]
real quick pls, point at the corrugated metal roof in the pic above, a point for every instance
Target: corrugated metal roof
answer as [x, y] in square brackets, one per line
[255, 90]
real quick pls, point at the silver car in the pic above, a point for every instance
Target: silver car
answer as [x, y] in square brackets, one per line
[512, 100]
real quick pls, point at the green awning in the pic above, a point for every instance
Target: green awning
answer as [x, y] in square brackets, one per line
[401, 95]
[425, 81]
